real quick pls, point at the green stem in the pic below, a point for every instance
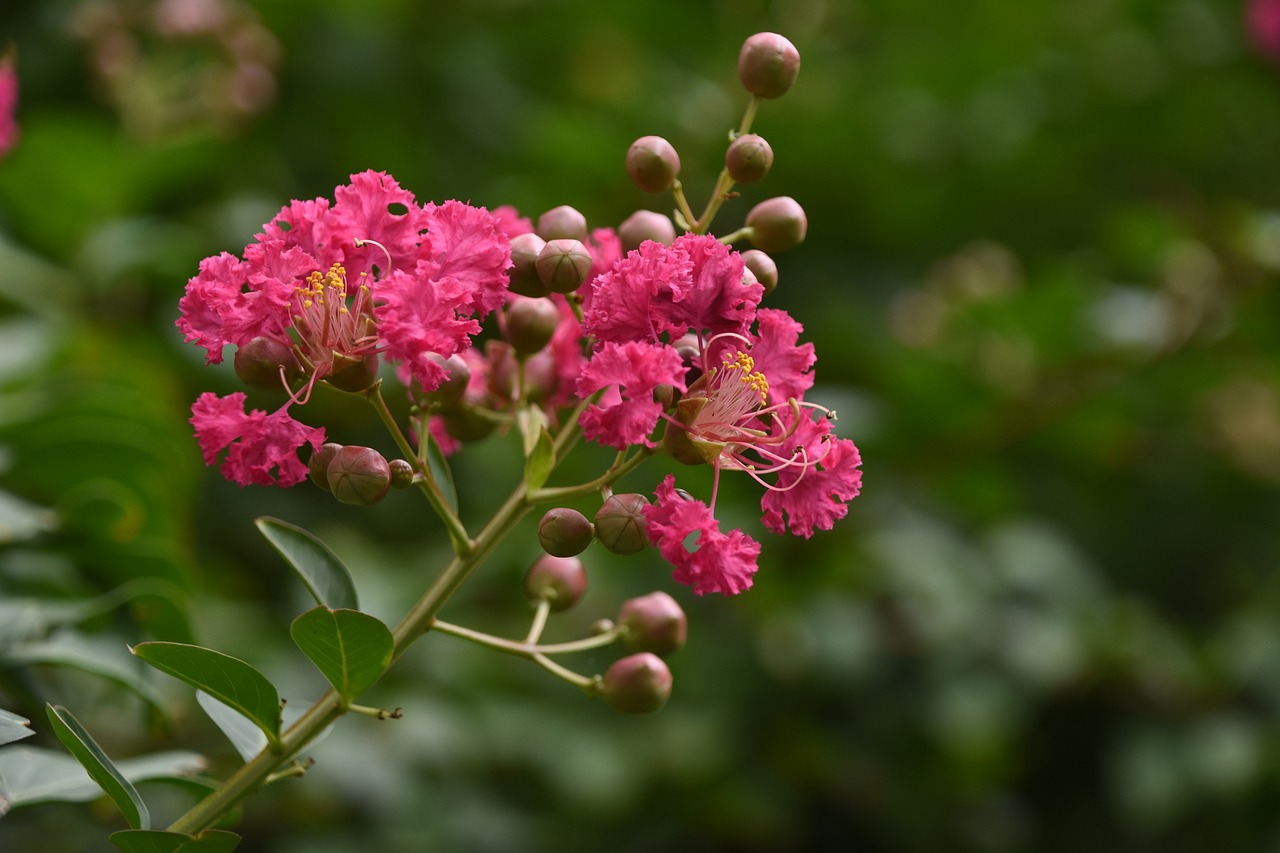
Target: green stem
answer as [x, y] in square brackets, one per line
[526, 649]
[616, 472]
[724, 183]
[587, 683]
[539, 622]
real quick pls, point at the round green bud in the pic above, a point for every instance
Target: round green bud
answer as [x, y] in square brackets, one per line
[353, 374]
[653, 623]
[777, 224]
[457, 378]
[564, 532]
[259, 363]
[637, 684]
[768, 64]
[401, 473]
[562, 223]
[530, 323]
[646, 225]
[765, 270]
[652, 164]
[748, 158]
[359, 475]
[620, 524]
[560, 581]
[564, 264]
[318, 464]
[524, 270]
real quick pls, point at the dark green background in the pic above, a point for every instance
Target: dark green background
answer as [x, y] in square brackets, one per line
[1040, 274]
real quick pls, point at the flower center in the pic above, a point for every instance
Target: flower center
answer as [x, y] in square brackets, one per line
[734, 393]
[325, 323]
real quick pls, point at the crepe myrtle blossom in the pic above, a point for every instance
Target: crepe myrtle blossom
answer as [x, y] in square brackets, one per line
[742, 378]
[334, 287]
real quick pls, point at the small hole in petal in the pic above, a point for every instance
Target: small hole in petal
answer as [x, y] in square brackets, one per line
[397, 209]
[283, 226]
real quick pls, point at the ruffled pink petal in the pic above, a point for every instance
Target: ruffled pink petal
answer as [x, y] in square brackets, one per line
[259, 444]
[777, 355]
[8, 105]
[374, 207]
[418, 316]
[306, 225]
[213, 296]
[815, 496]
[467, 244]
[723, 563]
[631, 301]
[635, 368]
[510, 222]
[716, 299]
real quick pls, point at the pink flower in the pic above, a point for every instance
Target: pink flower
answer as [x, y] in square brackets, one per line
[716, 300]
[627, 413]
[466, 243]
[1262, 21]
[258, 442]
[376, 223]
[8, 104]
[419, 318]
[720, 562]
[813, 493]
[627, 302]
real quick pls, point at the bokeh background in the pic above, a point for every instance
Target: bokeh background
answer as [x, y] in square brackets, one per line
[1041, 277]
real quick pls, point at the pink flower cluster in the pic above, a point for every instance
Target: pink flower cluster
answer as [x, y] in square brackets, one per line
[8, 104]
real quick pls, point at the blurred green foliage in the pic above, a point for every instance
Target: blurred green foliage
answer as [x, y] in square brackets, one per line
[1041, 276]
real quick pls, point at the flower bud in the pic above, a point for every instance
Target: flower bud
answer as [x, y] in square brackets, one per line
[620, 524]
[652, 164]
[637, 684]
[318, 464]
[359, 475]
[530, 324]
[646, 225]
[352, 374]
[259, 362]
[768, 64]
[457, 378]
[466, 424]
[401, 473]
[766, 271]
[748, 158]
[561, 581]
[524, 270]
[653, 623]
[564, 532]
[777, 224]
[563, 265]
[562, 223]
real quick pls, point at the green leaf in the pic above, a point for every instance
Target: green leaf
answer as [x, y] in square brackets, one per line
[76, 651]
[351, 649]
[227, 679]
[327, 579]
[32, 774]
[532, 421]
[99, 767]
[158, 841]
[13, 727]
[246, 737]
[538, 464]
[438, 463]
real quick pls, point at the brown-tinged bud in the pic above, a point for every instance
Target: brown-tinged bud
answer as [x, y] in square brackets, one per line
[777, 224]
[318, 464]
[637, 684]
[530, 324]
[564, 532]
[466, 424]
[457, 378]
[524, 270]
[652, 164]
[766, 271]
[768, 64]
[748, 158]
[562, 223]
[646, 225]
[401, 473]
[259, 362]
[653, 623]
[359, 475]
[564, 264]
[561, 581]
[620, 524]
[353, 374]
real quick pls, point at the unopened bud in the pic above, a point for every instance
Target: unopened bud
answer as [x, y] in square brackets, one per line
[620, 524]
[318, 464]
[652, 164]
[748, 158]
[564, 532]
[466, 424]
[637, 684]
[353, 374]
[359, 475]
[457, 378]
[401, 473]
[768, 64]
[524, 270]
[766, 271]
[646, 225]
[560, 581]
[562, 223]
[259, 363]
[530, 324]
[777, 224]
[563, 265]
[653, 623]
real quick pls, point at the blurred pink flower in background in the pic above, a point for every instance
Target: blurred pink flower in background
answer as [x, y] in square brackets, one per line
[1262, 23]
[8, 104]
